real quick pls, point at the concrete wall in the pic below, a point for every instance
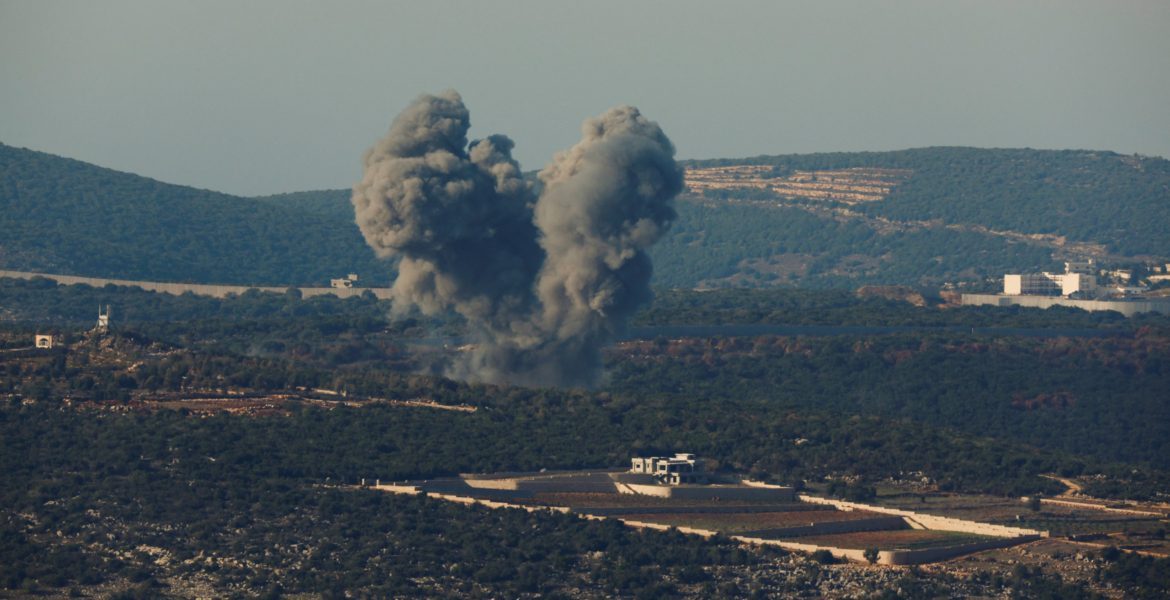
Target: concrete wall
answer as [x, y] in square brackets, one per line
[930, 521]
[927, 555]
[832, 527]
[710, 492]
[1128, 308]
[215, 291]
[840, 553]
[687, 510]
[459, 487]
[592, 482]
[1100, 507]
[891, 557]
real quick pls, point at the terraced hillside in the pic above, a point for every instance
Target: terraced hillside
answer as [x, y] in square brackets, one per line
[849, 186]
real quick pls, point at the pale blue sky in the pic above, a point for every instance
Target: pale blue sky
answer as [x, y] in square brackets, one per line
[256, 97]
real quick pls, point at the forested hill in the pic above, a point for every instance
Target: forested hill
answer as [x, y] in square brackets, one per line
[921, 217]
[1121, 201]
[64, 216]
[915, 217]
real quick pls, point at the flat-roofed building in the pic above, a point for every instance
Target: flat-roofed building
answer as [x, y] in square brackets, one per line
[678, 469]
[1074, 281]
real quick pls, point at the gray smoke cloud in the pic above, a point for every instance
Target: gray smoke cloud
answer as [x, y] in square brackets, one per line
[543, 281]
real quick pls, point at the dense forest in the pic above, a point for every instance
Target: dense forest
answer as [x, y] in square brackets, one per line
[932, 229]
[124, 226]
[143, 506]
[101, 489]
[748, 245]
[1122, 201]
[941, 379]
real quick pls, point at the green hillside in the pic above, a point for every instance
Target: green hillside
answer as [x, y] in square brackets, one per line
[1122, 201]
[64, 216]
[951, 215]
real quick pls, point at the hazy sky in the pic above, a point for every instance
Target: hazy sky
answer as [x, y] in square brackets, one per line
[257, 97]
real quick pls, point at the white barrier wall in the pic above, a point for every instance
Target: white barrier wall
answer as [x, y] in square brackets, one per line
[930, 521]
[215, 291]
[710, 492]
[1128, 308]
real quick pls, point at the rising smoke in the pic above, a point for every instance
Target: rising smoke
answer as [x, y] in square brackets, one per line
[543, 281]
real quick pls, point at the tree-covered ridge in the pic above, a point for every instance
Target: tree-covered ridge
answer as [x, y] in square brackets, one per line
[749, 245]
[65, 216]
[1121, 201]
[705, 393]
[954, 218]
[114, 474]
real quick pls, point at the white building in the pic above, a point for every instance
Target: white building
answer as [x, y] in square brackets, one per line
[103, 322]
[1077, 279]
[679, 469]
[45, 341]
[345, 282]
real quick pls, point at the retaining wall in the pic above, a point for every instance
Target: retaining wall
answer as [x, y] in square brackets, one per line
[925, 555]
[832, 527]
[1100, 507]
[686, 510]
[592, 482]
[931, 521]
[841, 553]
[710, 492]
[1128, 308]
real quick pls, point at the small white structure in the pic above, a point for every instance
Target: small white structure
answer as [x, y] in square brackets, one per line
[45, 342]
[103, 322]
[679, 469]
[345, 282]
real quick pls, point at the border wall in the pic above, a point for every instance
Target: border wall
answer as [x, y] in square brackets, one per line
[1128, 308]
[199, 289]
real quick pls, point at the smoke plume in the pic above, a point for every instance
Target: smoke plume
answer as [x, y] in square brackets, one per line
[543, 281]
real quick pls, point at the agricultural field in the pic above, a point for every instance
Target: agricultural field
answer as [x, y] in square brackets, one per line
[586, 500]
[851, 185]
[1059, 520]
[745, 522]
[906, 539]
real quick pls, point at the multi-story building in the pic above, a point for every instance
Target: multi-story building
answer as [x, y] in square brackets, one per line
[676, 470]
[1077, 279]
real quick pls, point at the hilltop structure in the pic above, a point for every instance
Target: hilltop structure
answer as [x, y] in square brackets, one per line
[103, 322]
[345, 282]
[679, 469]
[1077, 281]
[1077, 287]
[676, 492]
